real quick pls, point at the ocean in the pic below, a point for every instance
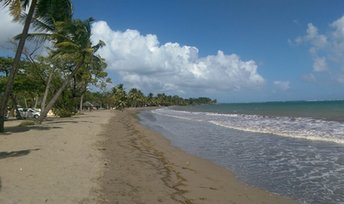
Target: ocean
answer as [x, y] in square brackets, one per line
[294, 149]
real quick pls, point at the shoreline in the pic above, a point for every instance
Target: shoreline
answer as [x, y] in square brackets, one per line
[152, 170]
[109, 157]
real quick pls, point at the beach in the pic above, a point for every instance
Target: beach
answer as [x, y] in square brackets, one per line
[56, 162]
[108, 157]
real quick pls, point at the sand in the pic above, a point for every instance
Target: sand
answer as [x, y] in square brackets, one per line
[108, 157]
[56, 162]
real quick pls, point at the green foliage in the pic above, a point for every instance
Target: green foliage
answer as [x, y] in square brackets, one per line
[63, 113]
[71, 66]
[65, 106]
[27, 84]
[5, 65]
[119, 99]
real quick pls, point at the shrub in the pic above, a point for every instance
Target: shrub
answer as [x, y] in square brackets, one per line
[63, 113]
[26, 123]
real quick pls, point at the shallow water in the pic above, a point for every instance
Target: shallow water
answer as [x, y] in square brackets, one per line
[265, 153]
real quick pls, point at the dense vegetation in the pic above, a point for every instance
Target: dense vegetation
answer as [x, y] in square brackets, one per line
[32, 78]
[118, 98]
[59, 79]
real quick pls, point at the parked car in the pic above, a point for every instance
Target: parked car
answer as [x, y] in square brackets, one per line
[28, 113]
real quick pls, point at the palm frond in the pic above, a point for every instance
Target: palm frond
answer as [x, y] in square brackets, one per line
[5, 2]
[15, 9]
[39, 24]
[25, 3]
[54, 10]
[87, 23]
[67, 45]
[37, 37]
[100, 44]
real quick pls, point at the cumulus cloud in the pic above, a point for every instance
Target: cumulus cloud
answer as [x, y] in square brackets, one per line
[320, 64]
[282, 85]
[8, 27]
[143, 62]
[309, 77]
[326, 49]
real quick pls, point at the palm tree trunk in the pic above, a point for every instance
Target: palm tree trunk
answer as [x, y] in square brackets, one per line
[81, 102]
[36, 101]
[25, 102]
[17, 115]
[14, 70]
[58, 93]
[46, 91]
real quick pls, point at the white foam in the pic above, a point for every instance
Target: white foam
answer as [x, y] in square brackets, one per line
[301, 128]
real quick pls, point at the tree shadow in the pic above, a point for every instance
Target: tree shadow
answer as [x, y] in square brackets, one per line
[18, 129]
[60, 121]
[66, 121]
[19, 153]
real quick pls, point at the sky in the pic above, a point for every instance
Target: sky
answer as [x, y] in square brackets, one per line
[231, 50]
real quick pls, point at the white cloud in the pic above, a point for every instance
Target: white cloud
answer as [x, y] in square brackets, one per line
[282, 85]
[8, 27]
[320, 64]
[313, 36]
[309, 77]
[326, 49]
[143, 62]
[338, 27]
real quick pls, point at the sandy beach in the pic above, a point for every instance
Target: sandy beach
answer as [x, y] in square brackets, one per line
[108, 157]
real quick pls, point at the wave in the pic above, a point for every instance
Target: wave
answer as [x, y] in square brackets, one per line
[293, 127]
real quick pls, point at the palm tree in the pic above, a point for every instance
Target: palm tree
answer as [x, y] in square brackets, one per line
[47, 11]
[119, 97]
[72, 41]
[93, 73]
[136, 98]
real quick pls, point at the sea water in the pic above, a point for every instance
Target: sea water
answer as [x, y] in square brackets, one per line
[294, 149]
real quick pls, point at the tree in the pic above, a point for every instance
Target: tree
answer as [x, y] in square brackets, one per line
[72, 41]
[48, 11]
[27, 84]
[136, 98]
[5, 65]
[92, 73]
[119, 97]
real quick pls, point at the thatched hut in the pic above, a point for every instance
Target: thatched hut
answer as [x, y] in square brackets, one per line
[87, 106]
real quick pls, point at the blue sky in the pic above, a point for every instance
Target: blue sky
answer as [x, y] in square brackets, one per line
[235, 51]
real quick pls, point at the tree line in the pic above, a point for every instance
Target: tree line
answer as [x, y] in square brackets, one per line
[36, 82]
[71, 56]
[119, 98]
[59, 79]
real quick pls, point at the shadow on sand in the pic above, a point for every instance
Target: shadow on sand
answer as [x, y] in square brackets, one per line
[60, 121]
[19, 153]
[18, 129]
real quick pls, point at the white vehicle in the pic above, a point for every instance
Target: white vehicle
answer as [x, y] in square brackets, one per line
[28, 113]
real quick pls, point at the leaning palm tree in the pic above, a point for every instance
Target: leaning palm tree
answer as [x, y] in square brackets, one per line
[45, 10]
[72, 41]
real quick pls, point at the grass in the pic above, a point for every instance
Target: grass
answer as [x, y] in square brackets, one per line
[26, 123]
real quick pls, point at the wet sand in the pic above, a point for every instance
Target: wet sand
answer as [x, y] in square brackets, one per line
[142, 167]
[108, 157]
